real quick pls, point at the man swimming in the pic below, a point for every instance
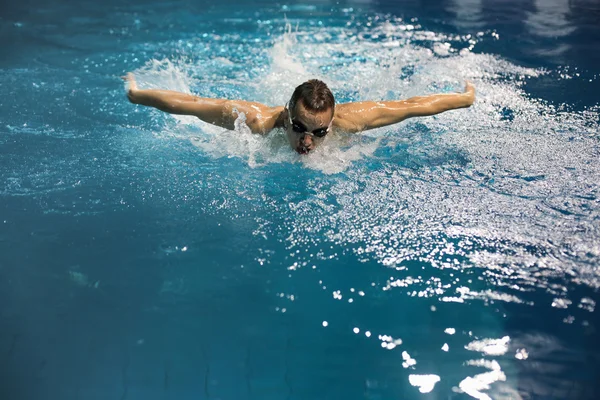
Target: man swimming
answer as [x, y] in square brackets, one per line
[309, 116]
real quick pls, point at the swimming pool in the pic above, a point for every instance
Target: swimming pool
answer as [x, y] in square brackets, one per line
[147, 256]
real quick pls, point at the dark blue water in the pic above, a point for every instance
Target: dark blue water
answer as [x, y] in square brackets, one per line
[146, 256]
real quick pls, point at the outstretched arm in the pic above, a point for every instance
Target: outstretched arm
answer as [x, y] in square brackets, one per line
[220, 112]
[360, 116]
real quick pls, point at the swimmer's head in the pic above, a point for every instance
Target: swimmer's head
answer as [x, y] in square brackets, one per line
[309, 115]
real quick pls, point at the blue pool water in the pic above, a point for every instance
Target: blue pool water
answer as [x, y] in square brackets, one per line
[147, 256]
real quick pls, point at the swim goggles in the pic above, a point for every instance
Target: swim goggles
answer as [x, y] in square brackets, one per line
[300, 128]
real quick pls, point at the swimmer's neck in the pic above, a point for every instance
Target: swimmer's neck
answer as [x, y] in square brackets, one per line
[279, 117]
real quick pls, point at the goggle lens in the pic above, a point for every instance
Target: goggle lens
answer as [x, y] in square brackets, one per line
[321, 132]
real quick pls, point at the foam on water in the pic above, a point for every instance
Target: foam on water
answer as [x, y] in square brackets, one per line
[490, 203]
[510, 181]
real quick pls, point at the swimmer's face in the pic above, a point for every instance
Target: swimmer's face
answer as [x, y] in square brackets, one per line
[305, 129]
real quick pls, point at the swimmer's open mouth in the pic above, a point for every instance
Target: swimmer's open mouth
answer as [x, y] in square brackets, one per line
[302, 150]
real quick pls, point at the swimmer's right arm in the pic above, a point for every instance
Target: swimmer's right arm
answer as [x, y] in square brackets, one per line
[221, 112]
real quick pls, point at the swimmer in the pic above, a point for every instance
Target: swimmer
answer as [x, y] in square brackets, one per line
[308, 117]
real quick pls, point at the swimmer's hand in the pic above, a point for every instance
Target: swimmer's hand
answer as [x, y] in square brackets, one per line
[470, 93]
[132, 88]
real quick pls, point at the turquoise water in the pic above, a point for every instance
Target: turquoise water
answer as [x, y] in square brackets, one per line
[149, 256]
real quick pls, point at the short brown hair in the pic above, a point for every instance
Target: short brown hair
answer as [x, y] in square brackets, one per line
[315, 96]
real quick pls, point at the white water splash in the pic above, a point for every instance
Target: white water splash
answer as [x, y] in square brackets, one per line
[511, 169]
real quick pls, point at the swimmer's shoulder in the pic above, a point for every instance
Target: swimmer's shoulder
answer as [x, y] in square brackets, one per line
[343, 121]
[263, 119]
[273, 118]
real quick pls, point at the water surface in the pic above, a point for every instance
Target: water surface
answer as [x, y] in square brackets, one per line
[151, 256]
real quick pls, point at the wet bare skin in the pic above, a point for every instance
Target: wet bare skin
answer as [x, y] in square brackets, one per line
[347, 117]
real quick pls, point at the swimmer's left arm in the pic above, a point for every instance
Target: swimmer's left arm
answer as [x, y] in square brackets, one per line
[361, 116]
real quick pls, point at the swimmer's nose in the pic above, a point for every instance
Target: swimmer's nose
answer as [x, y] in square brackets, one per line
[306, 140]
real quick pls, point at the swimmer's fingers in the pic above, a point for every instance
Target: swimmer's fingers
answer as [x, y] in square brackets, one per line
[470, 92]
[130, 78]
[131, 88]
[469, 87]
